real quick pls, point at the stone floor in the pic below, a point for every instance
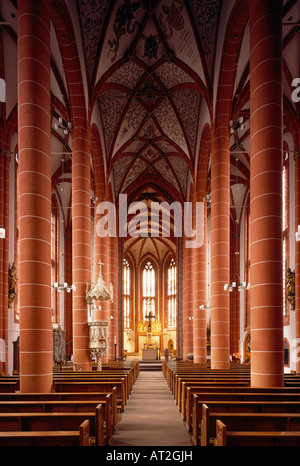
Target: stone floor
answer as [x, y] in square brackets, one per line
[151, 417]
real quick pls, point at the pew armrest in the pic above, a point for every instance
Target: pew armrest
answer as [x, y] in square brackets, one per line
[221, 432]
[84, 434]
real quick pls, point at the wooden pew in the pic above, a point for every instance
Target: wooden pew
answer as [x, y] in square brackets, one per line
[78, 437]
[184, 368]
[8, 386]
[203, 374]
[12, 383]
[201, 379]
[75, 398]
[59, 406]
[65, 421]
[82, 386]
[208, 393]
[193, 378]
[115, 365]
[181, 399]
[180, 394]
[128, 374]
[246, 422]
[225, 437]
[88, 379]
[238, 407]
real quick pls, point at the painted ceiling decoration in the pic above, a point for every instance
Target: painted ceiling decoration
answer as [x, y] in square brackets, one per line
[144, 61]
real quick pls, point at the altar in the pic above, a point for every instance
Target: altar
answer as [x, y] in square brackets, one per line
[149, 354]
[149, 338]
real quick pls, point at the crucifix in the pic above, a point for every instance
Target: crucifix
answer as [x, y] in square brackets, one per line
[149, 317]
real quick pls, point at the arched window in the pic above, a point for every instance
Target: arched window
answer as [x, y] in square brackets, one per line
[172, 294]
[126, 293]
[148, 290]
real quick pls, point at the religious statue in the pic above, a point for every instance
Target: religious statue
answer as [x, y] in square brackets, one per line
[58, 336]
[290, 288]
[12, 281]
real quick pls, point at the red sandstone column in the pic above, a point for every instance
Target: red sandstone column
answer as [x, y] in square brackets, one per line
[35, 196]
[4, 222]
[266, 193]
[220, 235]
[81, 236]
[234, 297]
[68, 296]
[200, 296]
[113, 329]
[296, 351]
[187, 302]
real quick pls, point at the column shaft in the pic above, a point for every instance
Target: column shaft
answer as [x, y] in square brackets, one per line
[4, 222]
[200, 298]
[220, 232]
[266, 193]
[35, 196]
[297, 263]
[81, 236]
[187, 300]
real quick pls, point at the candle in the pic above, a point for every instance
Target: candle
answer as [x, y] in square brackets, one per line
[115, 340]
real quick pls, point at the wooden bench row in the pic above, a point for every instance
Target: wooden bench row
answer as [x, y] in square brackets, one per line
[30, 406]
[180, 394]
[225, 437]
[171, 370]
[12, 383]
[230, 393]
[64, 402]
[207, 397]
[80, 437]
[80, 386]
[71, 414]
[113, 366]
[86, 386]
[39, 429]
[244, 420]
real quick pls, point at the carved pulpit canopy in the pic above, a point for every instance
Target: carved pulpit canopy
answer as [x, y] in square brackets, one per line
[99, 291]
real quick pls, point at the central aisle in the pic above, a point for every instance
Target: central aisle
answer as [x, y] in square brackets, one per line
[151, 417]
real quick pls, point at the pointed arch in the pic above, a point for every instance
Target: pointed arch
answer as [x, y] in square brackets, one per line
[64, 29]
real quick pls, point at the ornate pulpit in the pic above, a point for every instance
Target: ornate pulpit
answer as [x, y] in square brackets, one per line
[98, 330]
[98, 341]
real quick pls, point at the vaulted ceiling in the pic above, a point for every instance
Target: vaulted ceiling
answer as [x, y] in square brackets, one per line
[149, 65]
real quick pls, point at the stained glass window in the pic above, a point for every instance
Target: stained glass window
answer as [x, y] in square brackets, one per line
[126, 293]
[172, 294]
[148, 290]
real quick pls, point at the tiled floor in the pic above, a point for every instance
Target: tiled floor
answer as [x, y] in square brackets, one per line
[151, 417]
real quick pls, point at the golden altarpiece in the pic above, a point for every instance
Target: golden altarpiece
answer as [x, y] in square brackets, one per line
[149, 337]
